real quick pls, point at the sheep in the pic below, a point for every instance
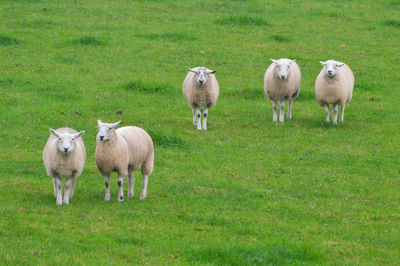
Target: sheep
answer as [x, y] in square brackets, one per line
[282, 83]
[200, 89]
[334, 85]
[64, 156]
[123, 150]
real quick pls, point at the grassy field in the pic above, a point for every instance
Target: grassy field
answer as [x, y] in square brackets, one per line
[247, 190]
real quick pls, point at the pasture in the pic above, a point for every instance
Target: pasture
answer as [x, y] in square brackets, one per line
[246, 191]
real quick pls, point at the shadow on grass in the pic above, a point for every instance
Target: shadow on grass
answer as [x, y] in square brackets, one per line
[278, 253]
[87, 40]
[166, 140]
[141, 86]
[242, 21]
[392, 23]
[281, 38]
[7, 40]
[173, 36]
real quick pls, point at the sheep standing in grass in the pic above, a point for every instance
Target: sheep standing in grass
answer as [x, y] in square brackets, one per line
[334, 85]
[64, 156]
[200, 89]
[123, 150]
[282, 83]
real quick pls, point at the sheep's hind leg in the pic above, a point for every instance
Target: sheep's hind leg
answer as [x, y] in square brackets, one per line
[71, 194]
[67, 190]
[205, 114]
[289, 111]
[194, 117]
[59, 190]
[275, 111]
[144, 190]
[107, 186]
[334, 113]
[131, 182]
[55, 187]
[282, 111]
[327, 112]
[342, 113]
[198, 115]
[120, 188]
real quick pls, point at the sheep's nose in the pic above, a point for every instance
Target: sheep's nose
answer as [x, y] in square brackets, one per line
[65, 149]
[330, 72]
[101, 137]
[201, 82]
[282, 76]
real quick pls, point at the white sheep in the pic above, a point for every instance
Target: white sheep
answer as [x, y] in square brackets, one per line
[334, 85]
[200, 89]
[64, 156]
[282, 83]
[123, 150]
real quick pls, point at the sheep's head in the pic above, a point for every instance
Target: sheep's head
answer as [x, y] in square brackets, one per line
[282, 67]
[106, 130]
[66, 141]
[201, 74]
[331, 67]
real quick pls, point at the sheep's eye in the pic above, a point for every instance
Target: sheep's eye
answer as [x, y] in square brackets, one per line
[59, 139]
[110, 128]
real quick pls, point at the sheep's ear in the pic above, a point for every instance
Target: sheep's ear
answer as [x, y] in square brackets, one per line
[192, 70]
[292, 61]
[113, 125]
[55, 133]
[211, 72]
[273, 60]
[99, 122]
[77, 135]
[322, 63]
[340, 65]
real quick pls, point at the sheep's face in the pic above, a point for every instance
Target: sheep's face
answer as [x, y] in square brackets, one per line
[201, 75]
[331, 67]
[282, 67]
[66, 141]
[106, 130]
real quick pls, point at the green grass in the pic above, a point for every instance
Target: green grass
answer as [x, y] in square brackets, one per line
[247, 191]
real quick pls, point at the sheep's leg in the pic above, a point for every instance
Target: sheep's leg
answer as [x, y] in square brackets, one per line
[55, 187]
[327, 112]
[289, 111]
[194, 117]
[342, 113]
[144, 190]
[59, 190]
[131, 182]
[205, 114]
[120, 188]
[198, 116]
[107, 185]
[334, 113]
[71, 194]
[282, 111]
[67, 190]
[275, 110]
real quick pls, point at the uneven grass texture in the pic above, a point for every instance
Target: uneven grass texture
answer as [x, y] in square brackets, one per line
[247, 191]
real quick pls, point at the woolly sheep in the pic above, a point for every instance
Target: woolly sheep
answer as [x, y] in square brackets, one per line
[334, 85]
[64, 156]
[123, 150]
[200, 89]
[282, 83]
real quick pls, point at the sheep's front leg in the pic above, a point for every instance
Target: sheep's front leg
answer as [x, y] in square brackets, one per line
[107, 185]
[334, 113]
[205, 114]
[282, 111]
[327, 112]
[55, 187]
[131, 182]
[275, 110]
[120, 188]
[289, 111]
[67, 190]
[198, 116]
[194, 117]
[71, 194]
[59, 190]
[342, 113]
[144, 190]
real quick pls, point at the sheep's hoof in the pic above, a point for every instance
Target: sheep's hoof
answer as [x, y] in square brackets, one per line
[65, 202]
[142, 197]
[130, 195]
[59, 202]
[199, 128]
[107, 198]
[121, 198]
